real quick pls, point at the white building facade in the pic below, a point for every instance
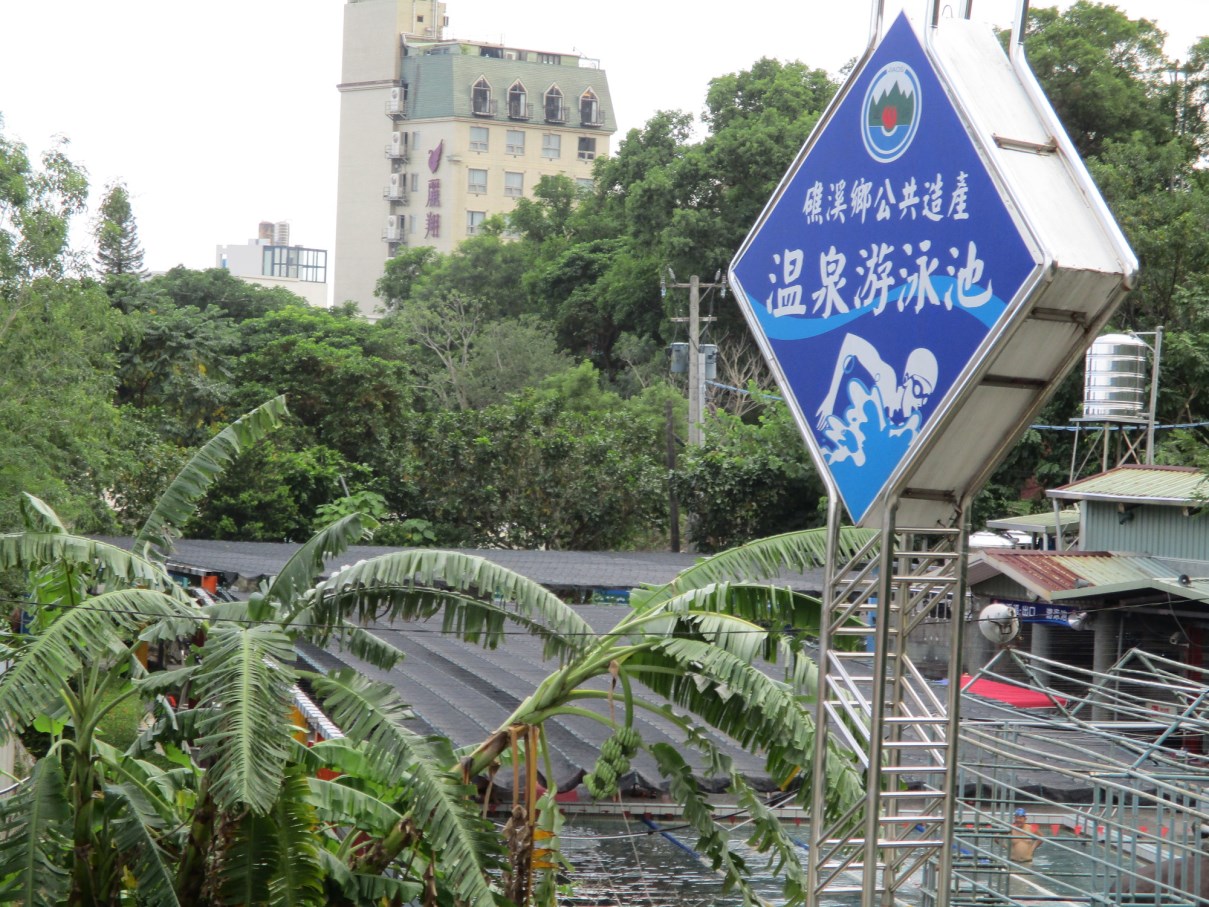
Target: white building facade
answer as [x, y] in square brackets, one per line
[270, 261]
[436, 136]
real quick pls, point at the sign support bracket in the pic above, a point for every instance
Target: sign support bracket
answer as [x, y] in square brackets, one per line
[878, 703]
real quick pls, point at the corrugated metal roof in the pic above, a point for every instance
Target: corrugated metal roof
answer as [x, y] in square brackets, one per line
[1057, 576]
[554, 569]
[1170, 485]
[1035, 522]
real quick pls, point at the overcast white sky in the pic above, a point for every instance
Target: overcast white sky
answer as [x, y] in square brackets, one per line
[223, 114]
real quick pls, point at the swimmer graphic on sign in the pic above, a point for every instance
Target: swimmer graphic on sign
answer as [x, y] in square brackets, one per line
[896, 407]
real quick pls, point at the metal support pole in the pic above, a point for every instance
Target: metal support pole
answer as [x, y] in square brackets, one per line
[694, 360]
[1154, 393]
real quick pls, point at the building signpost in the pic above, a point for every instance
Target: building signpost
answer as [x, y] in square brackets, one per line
[933, 261]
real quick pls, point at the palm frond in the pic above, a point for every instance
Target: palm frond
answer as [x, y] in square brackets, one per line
[778, 612]
[134, 824]
[342, 805]
[245, 689]
[157, 789]
[713, 840]
[245, 870]
[366, 888]
[769, 835]
[38, 516]
[191, 483]
[480, 598]
[369, 648]
[767, 558]
[35, 839]
[357, 640]
[298, 876]
[739, 700]
[105, 627]
[371, 712]
[35, 550]
[307, 563]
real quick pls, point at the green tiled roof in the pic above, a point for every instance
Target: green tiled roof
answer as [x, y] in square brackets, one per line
[439, 86]
[1171, 485]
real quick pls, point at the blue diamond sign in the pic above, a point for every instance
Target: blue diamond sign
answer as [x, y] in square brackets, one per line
[881, 268]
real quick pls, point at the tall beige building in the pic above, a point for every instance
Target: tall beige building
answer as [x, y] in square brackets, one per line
[437, 135]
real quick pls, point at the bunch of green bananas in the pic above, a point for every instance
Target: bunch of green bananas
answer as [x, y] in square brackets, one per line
[613, 762]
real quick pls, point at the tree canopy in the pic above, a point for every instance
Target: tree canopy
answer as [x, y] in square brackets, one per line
[472, 341]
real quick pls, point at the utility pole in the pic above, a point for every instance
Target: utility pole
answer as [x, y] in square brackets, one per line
[696, 370]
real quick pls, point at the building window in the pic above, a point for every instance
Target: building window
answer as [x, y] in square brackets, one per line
[474, 221]
[585, 184]
[587, 148]
[554, 59]
[411, 224]
[295, 262]
[515, 141]
[478, 138]
[415, 182]
[589, 109]
[552, 144]
[480, 98]
[518, 104]
[514, 184]
[555, 111]
[477, 182]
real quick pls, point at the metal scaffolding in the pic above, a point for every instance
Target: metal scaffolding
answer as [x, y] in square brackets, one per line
[874, 702]
[1113, 777]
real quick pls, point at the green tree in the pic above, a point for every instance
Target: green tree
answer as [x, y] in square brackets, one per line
[59, 431]
[1104, 73]
[566, 465]
[258, 825]
[758, 120]
[57, 340]
[119, 252]
[749, 479]
[174, 366]
[273, 490]
[401, 274]
[217, 290]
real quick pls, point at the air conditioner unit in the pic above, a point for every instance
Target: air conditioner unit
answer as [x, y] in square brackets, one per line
[398, 180]
[394, 227]
[396, 96]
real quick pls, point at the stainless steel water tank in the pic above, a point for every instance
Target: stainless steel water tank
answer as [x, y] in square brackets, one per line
[1114, 380]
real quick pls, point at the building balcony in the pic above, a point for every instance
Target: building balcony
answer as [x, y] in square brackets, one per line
[483, 107]
[556, 113]
[518, 111]
[595, 117]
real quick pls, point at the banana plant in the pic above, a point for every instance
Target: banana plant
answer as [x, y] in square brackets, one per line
[685, 650]
[216, 801]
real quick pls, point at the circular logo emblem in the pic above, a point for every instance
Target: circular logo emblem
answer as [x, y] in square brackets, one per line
[890, 114]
